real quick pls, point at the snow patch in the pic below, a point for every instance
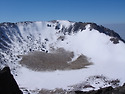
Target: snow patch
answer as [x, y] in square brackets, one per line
[65, 23]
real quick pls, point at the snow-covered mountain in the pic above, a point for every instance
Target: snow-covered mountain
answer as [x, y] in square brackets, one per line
[103, 47]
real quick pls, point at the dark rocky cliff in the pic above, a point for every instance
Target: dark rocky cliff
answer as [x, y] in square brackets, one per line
[8, 84]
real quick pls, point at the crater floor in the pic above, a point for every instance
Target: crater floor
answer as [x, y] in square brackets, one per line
[56, 60]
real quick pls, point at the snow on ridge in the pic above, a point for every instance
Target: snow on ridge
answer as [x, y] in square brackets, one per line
[101, 50]
[65, 23]
[108, 58]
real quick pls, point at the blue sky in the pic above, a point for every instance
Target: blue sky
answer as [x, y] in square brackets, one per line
[98, 11]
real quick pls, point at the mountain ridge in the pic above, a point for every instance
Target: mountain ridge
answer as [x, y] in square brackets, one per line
[102, 46]
[75, 27]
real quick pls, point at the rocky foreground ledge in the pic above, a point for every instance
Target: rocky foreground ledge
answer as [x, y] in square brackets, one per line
[8, 84]
[107, 90]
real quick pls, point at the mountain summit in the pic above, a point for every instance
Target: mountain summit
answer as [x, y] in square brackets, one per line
[62, 40]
